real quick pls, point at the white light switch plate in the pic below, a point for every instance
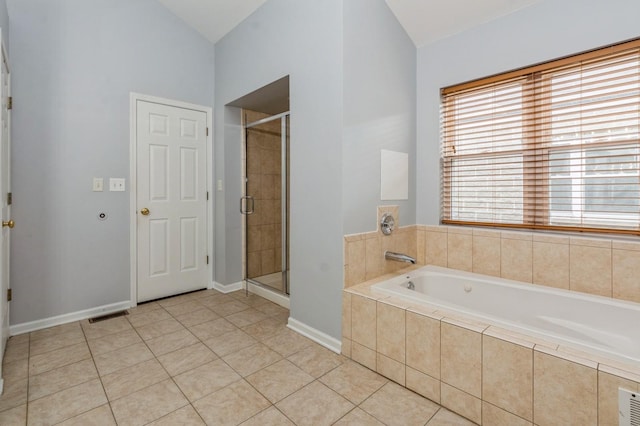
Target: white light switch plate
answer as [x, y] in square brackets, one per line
[116, 184]
[98, 184]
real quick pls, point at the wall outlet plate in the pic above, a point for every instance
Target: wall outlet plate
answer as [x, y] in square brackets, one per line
[116, 184]
[98, 184]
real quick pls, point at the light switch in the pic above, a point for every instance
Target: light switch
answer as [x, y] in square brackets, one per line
[116, 184]
[98, 184]
[219, 184]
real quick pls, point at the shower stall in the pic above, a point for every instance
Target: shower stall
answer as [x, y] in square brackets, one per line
[265, 203]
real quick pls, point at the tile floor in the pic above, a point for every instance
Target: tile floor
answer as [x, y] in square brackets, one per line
[195, 359]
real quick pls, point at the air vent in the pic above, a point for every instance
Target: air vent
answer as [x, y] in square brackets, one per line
[113, 315]
[629, 408]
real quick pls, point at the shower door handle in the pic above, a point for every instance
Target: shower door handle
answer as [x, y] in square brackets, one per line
[244, 204]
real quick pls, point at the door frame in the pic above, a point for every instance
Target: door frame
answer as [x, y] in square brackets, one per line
[133, 189]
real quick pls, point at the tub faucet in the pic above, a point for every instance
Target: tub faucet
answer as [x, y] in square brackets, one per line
[398, 257]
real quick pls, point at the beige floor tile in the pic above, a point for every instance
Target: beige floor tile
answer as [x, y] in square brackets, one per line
[16, 416]
[230, 342]
[149, 317]
[184, 308]
[131, 379]
[144, 308]
[315, 404]
[395, 405]
[251, 359]
[288, 342]
[494, 416]
[16, 350]
[199, 316]
[445, 417]
[210, 329]
[104, 328]
[160, 328]
[264, 329]
[279, 380]
[56, 330]
[206, 379]
[358, 417]
[52, 342]
[269, 417]
[171, 342]
[66, 404]
[316, 360]
[14, 394]
[61, 378]
[246, 317]
[229, 308]
[114, 341]
[101, 416]
[15, 370]
[58, 358]
[177, 300]
[122, 358]
[186, 359]
[216, 300]
[251, 299]
[353, 381]
[271, 309]
[231, 405]
[148, 404]
[184, 416]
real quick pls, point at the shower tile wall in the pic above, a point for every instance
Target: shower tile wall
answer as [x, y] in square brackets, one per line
[264, 226]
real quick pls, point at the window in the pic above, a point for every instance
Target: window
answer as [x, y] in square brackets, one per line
[554, 146]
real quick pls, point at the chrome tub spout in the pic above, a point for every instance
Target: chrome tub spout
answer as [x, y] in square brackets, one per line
[398, 257]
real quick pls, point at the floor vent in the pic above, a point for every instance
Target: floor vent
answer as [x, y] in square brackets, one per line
[629, 408]
[113, 315]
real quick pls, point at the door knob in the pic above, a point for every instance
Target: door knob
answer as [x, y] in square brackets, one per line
[144, 211]
[10, 223]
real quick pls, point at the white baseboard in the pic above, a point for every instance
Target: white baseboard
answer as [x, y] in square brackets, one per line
[27, 327]
[1, 385]
[227, 288]
[317, 336]
[277, 298]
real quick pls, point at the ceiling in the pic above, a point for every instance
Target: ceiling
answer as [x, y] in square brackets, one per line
[424, 20]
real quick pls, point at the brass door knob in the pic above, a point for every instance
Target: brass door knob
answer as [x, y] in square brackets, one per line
[144, 211]
[10, 223]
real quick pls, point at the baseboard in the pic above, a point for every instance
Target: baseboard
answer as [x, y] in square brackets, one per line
[1, 385]
[277, 298]
[227, 288]
[317, 336]
[27, 327]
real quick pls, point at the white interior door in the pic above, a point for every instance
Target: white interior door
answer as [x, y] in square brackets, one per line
[5, 189]
[171, 200]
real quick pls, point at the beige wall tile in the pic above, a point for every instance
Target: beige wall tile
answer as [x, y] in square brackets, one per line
[390, 369]
[346, 315]
[459, 251]
[564, 393]
[390, 331]
[517, 259]
[423, 344]
[625, 245]
[590, 269]
[346, 347]
[608, 385]
[486, 255]
[590, 242]
[507, 376]
[461, 402]
[423, 384]
[421, 242]
[551, 264]
[435, 248]
[357, 262]
[516, 235]
[494, 416]
[363, 321]
[374, 264]
[626, 270]
[464, 230]
[550, 238]
[363, 355]
[461, 358]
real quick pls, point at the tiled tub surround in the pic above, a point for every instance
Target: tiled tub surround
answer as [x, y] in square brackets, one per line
[492, 376]
[601, 266]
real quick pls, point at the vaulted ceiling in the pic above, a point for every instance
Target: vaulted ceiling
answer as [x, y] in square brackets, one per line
[424, 20]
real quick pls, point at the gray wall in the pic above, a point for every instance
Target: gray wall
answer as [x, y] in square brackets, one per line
[4, 23]
[74, 63]
[302, 40]
[379, 110]
[547, 30]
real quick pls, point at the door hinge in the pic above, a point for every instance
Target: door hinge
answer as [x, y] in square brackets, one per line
[207, 259]
[8, 295]
[9, 198]
[10, 102]
[207, 131]
[207, 195]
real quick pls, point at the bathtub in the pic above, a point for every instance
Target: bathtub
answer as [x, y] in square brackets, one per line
[589, 323]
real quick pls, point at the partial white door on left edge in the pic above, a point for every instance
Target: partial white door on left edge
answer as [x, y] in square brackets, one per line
[5, 203]
[171, 145]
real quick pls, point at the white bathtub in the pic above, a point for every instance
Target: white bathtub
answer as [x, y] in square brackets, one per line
[606, 326]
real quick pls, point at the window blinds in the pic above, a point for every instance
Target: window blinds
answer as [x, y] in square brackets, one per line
[554, 146]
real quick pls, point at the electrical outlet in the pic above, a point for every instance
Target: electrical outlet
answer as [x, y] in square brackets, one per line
[98, 184]
[116, 184]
